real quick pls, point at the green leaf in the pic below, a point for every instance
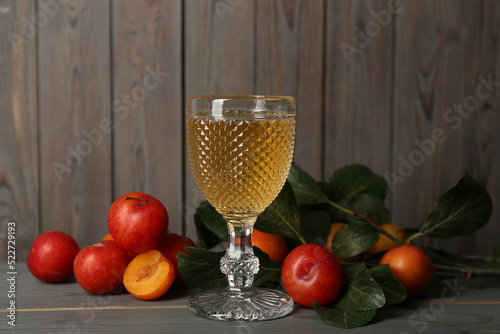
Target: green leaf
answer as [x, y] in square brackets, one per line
[495, 260]
[305, 188]
[372, 206]
[354, 238]
[202, 271]
[342, 318]
[324, 186]
[393, 290]
[202, 268]
[282, 216]
[269, 270]
[336, 214]
[314, 226]
[353, 180]
[462, 210]
[211, 227]
[204, 238]
[360, 291]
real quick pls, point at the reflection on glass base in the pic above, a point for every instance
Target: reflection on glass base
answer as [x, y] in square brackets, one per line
[250, 305]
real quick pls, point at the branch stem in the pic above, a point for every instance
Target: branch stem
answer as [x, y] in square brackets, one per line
[470, 257]
[369, 220]
[341, 208]
[467, 271]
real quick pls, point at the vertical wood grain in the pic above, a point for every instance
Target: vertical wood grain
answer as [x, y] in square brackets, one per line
[426, 84]
[147, 103]
[289, 61]
[18, 126]
[74, 97]
[371, 88]
[219, 59]
[439, 56]
[358, 86]
[219, 47]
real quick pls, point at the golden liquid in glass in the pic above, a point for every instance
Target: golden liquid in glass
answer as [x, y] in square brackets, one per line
[240, 166]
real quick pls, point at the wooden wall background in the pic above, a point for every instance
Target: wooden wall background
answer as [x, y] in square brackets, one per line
[67, 67]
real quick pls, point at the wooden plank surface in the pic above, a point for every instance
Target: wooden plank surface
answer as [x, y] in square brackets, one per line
[147, 102]
[451, 305]
[435, 143]
[18, 125]
[358, 85]
[289, 61]
[74, 120]
[218, 59]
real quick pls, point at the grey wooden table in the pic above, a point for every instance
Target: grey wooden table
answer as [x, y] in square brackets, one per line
[452, 305]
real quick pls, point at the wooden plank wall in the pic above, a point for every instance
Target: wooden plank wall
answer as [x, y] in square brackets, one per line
[92, 96]
[19, 178]
[73, 98]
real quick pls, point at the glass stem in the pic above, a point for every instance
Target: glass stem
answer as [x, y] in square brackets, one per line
[239, 264]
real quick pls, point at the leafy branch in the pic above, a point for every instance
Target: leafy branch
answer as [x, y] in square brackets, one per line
[368, 219]
[303, 212]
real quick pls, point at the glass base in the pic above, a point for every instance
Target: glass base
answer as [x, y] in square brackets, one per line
[251, 305]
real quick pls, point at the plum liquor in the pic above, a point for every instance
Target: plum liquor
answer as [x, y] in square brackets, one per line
[240, 165]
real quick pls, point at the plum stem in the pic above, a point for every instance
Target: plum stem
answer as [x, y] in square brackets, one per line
[142, 201]
[414, 236]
